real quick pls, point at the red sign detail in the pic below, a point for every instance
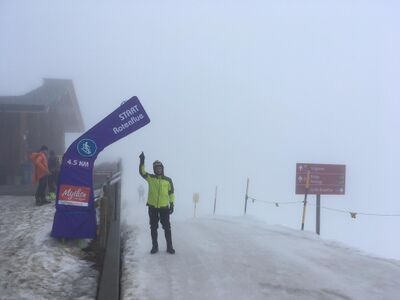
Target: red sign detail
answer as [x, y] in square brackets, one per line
[324, 179]
[72, 193]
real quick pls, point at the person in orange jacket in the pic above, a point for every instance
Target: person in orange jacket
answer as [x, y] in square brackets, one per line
[40, 174]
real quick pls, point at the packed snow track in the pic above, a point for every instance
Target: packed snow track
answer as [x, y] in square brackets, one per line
[242, 258]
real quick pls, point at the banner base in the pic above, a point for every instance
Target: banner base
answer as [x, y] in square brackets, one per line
[74, 224]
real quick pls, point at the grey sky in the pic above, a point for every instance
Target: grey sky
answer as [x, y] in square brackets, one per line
[234, 89]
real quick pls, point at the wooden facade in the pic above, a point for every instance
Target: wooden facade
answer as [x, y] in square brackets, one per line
[40, 117]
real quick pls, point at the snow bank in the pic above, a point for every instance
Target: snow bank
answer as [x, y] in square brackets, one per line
[32, 264]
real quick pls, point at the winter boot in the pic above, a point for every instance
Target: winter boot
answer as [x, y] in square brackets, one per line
[154, 249]
[168, 239]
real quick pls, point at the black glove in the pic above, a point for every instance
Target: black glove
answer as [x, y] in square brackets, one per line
[171, 208]
[141, 156]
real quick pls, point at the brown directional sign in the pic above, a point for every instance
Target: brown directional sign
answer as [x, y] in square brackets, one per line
[321, 179]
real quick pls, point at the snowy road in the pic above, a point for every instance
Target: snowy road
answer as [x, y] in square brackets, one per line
[241, 258]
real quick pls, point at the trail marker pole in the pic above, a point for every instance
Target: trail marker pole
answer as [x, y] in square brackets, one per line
[247, 196]
[215, 199]
[196, 198]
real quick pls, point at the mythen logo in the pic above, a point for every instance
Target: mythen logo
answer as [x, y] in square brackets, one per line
[87, 147]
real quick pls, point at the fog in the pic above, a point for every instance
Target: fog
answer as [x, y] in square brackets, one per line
[234, 90]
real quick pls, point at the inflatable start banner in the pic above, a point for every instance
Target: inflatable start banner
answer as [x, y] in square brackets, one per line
[75, 215]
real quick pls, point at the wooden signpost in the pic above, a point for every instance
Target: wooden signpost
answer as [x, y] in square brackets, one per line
[319, 179]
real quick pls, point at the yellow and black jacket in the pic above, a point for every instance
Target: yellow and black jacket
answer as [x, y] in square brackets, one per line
[161, 189]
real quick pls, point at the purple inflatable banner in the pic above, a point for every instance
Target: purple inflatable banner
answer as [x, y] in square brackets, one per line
[75, 215]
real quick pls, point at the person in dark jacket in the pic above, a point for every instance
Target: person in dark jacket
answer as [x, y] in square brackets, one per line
[54, 168]
[160, 202]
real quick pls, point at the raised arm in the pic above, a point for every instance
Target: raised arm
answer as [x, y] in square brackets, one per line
[142, 171]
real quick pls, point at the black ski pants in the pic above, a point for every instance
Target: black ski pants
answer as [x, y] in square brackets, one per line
[41, 189]
[53, 179]
[160, 215]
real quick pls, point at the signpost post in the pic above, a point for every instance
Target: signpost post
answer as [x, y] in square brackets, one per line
[196, 198]
[305, 200]
[319, 179]
[318, 215]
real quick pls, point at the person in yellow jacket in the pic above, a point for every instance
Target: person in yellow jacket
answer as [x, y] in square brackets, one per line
[160, 201]
[40, 175]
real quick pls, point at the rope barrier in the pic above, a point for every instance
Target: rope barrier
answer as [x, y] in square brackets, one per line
[275, 202]
[353, 214]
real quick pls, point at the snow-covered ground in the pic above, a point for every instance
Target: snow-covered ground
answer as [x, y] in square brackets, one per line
[32, 264]
[217, 258]
[243, 258]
